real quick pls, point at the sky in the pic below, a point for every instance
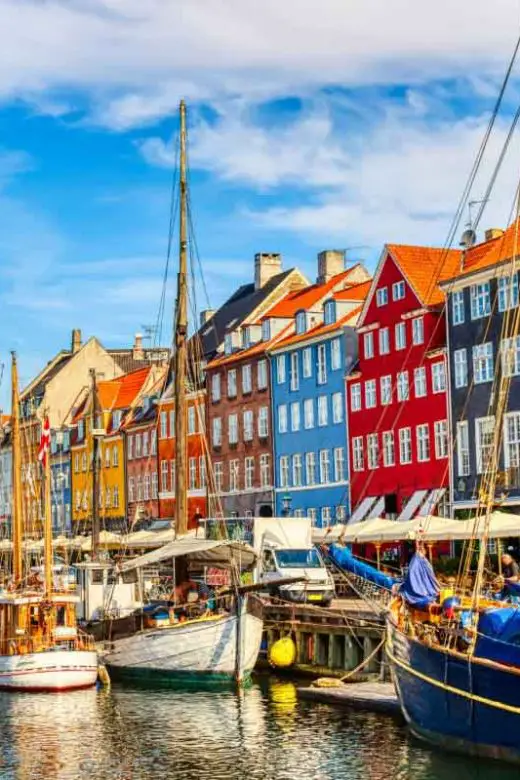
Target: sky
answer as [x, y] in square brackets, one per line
[312, 125]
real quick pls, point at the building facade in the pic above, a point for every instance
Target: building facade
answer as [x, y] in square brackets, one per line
[61, 491]
[142, 472]
[6, 485]
[397, 395]
[482, 310]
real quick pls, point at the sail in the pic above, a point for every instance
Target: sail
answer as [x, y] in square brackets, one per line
[420, 587]
[342, 557]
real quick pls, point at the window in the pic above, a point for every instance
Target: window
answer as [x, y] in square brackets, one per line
[325, 516]
[308, 413]
[219, 476]
[84, 462]
[81, 430]
[507, 292]
[510, 353]
[402, 386]
[372, 450]
[385, 384]
[263, 422]
[341, 514]
[191, 420]
[115, 497]
[154, 443]
[147, 487]
[301, 322]
[423, 443]
[233, 475]
[265, 476]
[115, 457]
[228, 343]
[282, 418]
[457, 307]
[297, 470]
[130, 448]
[419, 379]
[405, 445]
[460, 365]
[388, 448]
[107, 458]
[384, 341]
[483, 362]
[400, 335]
[146, 438]
[248, 425]
[312, 515]
[295, 416]
[310, 468]
[164, 475]
[335, 354]
[116, 418]
[357, 453]
[262, 374]
[330, 312]
[480, 300]
[324, 466]
[463, 448]
[339, 464]
[322, 365]
[138, 445]
[215, 387]
[440, 429]
[246, 378]
[202, 471]
[438, 377]
[164, 425]
[398, 290]
[266, 330]
[418, 330]
[217, 431]
[512, 440]
[131, 488]
[233, 429]
[368, 343]
[284, 471]
[484, 439]
[307, 362]
[382, 296]
[355, 397]
[337, 407]
[232, 383]
[154, 485]
[172, 475]
[323, 411]
[280, 369]
[370, 394]
[249, 473]
[294, 375]
[172, 423]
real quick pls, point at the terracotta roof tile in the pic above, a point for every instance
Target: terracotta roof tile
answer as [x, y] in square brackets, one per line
[303, 299]
[425, 268]
[255, 349]
[490, 253]
[320, 330]
[358, 292]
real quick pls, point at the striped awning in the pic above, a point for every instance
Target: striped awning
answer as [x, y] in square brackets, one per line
[362, 509]
[431, 502]
[413, 504]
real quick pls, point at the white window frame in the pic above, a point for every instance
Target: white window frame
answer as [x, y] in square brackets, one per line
[403, 386]
[381, 296]
[249, 472]
[384, 341]
[460, 367]
[233, 429]
[261, 374]
[440, 432]
[322, 364]
[294, 372]
[280, 369]
[385, 390]
[507, 287]
[405, 446]
[335, 354]
[248, 423]
[368, 345]
[388, 449]
[339, 464]
[480, 300]
[217, 431]
[483, 365]
[355, 397]
[310, 468]
[295, 416]
[308, 413]
[400, 336]
[419, 382]
[282, 418]
[307, 362]
[418, 330]
[370, 394]
[323, 411]
[480, 445]
[422, 436]
[232, 383]
[510, 356]
[297, 470]
[263, 422]
[457, 307]
[337, 407]
[463, 452]
[438, 377]
[284, 471]
[324, 467]
[265, 475]
[372, 451]
[247, 378]
[358, 456]
[398, 290]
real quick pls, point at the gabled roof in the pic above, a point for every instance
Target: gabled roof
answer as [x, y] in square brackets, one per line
[487, 254]
[256, 349]
[425, 267]
[318, 331]
[309, 296]
[358, 292]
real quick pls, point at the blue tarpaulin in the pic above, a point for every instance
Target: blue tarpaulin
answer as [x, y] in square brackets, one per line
[499, 635]
[420, 587]
[342, 556]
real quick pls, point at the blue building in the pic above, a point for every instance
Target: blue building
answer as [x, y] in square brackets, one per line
[308, 371]
[61, 482]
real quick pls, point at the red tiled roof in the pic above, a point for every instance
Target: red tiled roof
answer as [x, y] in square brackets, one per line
[255, 349]
[489, 253]
[318, 330]
[308, 296]
[425, 268]
[358, 292]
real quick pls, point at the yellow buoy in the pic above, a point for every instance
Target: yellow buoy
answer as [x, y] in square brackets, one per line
[282, 653]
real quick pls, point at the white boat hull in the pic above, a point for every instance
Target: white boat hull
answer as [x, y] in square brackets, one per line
[189, 652]
[49, 670]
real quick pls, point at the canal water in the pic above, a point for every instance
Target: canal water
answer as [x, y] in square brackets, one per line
[266, 733]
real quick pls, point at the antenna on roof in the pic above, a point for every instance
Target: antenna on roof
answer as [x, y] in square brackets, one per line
[469, 237]
[149, 332]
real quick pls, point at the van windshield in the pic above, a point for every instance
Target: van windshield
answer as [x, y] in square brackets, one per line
[297, 559]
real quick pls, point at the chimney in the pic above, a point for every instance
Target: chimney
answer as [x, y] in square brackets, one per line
[138, 352]
[206, 315]
[330, 263]
[76, 341]
[267, 265]
[492, 233]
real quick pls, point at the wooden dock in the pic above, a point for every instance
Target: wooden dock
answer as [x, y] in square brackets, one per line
[368, 696]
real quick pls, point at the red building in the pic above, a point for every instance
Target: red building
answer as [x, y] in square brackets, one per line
[397, 399]
[142, 470]
[197, 456]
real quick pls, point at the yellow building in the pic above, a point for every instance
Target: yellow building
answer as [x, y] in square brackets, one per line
[114, 403]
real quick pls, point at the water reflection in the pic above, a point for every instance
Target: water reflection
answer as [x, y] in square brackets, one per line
[263, 734]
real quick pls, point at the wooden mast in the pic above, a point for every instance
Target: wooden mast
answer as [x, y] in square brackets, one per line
[47, 526]
[17, 528]
[181, 328]
[95, 466]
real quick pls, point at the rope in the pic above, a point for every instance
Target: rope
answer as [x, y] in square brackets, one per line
[329, 682]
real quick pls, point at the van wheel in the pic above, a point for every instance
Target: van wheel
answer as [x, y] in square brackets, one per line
[327, 601]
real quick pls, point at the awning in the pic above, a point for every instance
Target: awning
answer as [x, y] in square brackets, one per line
[411, 507]
[377, 509]
[362, 509]
[203, 551]
[431, 502]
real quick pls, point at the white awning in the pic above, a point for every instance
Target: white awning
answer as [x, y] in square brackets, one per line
[431, 502]
[203, 551]
[411, 507]
[362, 509]
[377, 509]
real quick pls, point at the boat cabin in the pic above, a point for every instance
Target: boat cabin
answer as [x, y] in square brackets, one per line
[31, 622]
[106, 592]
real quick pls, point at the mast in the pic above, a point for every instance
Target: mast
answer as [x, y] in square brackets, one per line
[47, 526]
[17, 527]
[95, 489]
[181, 328]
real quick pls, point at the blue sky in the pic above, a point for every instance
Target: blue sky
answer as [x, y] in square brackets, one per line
[312, 125]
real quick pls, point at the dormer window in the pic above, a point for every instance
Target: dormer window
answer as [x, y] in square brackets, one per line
[81, 430]
[116, 418]
[266, 330]
[228, 344]
[330, 312]
[301, 322]
[382, 296]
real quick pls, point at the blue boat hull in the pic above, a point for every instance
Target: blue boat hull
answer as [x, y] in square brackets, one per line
[449, 700]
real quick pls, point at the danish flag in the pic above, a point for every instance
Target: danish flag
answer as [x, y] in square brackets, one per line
[45, 442]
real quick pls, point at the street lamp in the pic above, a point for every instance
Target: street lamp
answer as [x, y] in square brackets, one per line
[286, 505]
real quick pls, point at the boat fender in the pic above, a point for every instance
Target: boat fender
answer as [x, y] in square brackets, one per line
[103, 675]
[282, 653]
